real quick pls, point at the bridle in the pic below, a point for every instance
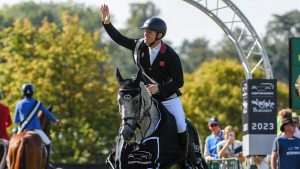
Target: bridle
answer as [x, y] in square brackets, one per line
[142, 113]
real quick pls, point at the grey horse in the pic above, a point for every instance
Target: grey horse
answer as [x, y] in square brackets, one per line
[148, 136]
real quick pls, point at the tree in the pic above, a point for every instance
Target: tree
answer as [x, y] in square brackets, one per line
[226, 50]
[36, 12]
[214, 89]
[71, 75]
[194, 53]
[276, 41]
[140, 12]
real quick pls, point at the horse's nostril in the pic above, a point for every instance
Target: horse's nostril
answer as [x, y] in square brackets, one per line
[127, 134]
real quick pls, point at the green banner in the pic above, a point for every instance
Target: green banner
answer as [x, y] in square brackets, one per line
[294, 52]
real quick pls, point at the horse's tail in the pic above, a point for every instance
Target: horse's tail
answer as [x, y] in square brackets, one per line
[20, 153]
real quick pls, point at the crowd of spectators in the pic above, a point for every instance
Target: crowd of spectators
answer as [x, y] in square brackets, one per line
[222, 145]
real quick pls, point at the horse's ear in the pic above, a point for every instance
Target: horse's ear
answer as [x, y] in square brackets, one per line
[50, 107]
[137, 78]
[119, 76]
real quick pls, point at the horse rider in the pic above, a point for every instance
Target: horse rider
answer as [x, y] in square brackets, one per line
[160, 65]
[26, 116]
[5, 120]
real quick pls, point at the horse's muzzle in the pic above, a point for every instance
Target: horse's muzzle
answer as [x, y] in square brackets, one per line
[128, 134]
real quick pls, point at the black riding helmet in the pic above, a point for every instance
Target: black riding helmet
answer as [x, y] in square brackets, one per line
[156, 24]
[27, 89]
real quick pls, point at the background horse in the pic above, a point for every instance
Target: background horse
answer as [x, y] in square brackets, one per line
[27, 150]
[144, 119]
[3, 153]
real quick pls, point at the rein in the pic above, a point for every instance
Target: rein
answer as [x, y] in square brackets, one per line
[56, 130]
[138, 119]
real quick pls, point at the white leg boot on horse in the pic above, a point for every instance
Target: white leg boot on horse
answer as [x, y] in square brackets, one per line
[184, 142]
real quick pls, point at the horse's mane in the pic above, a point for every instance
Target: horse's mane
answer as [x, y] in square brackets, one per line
[131, 83]
[145, 94]
[45, 121]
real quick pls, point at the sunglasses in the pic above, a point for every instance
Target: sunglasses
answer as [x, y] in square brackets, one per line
[213, 125]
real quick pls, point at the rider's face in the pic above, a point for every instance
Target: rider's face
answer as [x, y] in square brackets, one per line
[149, 36]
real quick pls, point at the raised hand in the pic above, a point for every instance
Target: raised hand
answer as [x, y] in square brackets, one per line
[105, 14]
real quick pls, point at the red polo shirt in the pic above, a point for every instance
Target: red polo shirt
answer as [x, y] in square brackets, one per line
[5, 121]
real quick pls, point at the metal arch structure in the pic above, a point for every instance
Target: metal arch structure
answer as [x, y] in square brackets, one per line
[250, 50]
[254, 58]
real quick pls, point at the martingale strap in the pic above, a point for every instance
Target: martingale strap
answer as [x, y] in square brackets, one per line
[137, 60]
[29, 116]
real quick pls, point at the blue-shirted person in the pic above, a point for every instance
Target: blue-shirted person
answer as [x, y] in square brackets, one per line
[26, 115]
[211, 141]
[286, 147]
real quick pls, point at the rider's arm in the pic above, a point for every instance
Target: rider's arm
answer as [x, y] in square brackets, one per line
[16, 120]
[16, 115]
[117, 37]
[48, 113]
[112, 31]
[176, 74]
[8, 121]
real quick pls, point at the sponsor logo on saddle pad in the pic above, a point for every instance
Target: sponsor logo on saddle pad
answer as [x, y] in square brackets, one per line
[143, 155]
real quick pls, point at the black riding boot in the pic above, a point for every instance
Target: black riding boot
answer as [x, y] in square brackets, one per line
[48, 147]
[184, 142]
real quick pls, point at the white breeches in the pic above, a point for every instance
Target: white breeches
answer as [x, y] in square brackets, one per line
[44, 137]
[174, 106]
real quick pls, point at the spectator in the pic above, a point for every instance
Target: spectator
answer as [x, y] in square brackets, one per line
[283, 114]
[211, 141]
[5, 120]
[230, 147]
[286, 148]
